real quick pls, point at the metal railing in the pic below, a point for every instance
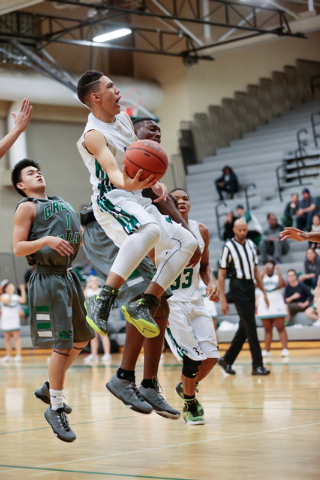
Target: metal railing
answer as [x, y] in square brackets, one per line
[300, 169]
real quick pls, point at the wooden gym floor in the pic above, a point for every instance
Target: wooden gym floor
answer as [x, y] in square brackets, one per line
[256, 428]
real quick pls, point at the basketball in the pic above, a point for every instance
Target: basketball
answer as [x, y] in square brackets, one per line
[148, 156]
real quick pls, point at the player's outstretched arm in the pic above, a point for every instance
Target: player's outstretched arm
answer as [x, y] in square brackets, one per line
[212, 290]
[23, 218]
[96, 145]
[21, 122]
[298, 235]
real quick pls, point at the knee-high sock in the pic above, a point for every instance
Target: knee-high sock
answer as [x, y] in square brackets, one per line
[135, 248]
[183, 247]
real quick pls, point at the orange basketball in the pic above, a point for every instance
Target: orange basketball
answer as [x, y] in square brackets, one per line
[148, 156]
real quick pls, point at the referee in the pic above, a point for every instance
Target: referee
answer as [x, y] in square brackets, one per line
[239, 259]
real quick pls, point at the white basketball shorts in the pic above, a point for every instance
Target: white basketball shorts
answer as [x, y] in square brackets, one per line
[191, 331]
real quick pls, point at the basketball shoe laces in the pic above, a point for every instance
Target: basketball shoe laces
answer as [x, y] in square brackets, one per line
[105, 300]
[158, 389]
[136, 392]
[64, 421]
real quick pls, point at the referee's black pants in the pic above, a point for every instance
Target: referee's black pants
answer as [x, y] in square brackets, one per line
[243, 295]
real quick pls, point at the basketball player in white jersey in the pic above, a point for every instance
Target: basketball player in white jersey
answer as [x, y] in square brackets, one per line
[129, 219]
[191, 335]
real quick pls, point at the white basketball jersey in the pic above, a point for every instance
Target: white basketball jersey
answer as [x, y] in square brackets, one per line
[186, 287]
[119, 136]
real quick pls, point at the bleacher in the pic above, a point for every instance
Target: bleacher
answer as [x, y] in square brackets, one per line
[254, 157]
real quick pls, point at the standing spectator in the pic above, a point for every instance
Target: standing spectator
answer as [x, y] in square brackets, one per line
[228, 226]
[277, 312]
[270, 243]
[254, 227]
[297, 296]
[11, 319]
[239, 259]
[315, 228]
[93, 288]
[228, 182]
[308, 206]
[290, 211]
[311, 269]
[313, 312]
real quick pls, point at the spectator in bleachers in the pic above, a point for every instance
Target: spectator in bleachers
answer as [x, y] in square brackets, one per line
[228, 182]
[315, 228]
[228, 226]
[311, 269]
[254, 226]
[290, 211]
[11, 318]
[308, 206]
[270, 243]
[277, 312]
[313, 312]
[297, 295]
[93, 288]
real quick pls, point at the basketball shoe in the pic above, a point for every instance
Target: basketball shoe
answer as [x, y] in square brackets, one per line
[128, 393]
[155, 399]
[98, 309]
[43, 394]
[140, 314]
[59, 423]
[179, 392]
[191, 415]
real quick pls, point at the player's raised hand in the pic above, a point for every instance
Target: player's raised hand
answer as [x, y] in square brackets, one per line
[132, 184]
[213, 293]
[293, 234]
[61, 246]
[161, 190]
[195, 258]
[23, 118]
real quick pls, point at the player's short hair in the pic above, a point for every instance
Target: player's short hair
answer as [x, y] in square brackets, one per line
[176, 189]
[16, 173]
[292, 270]
[137, 121]
[87, 83]
[239, 222]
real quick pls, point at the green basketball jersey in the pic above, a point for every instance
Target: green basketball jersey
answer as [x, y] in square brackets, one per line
[54, 218]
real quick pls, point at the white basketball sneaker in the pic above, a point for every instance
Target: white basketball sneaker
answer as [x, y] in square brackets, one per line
[265, 353]
[285, 353]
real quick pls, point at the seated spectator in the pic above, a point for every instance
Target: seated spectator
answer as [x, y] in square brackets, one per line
[270, 243]
[228, 182]
[311, 269]
[308, 206]
[290, 211]
[277, 312]
[315, 227]
[254, 227]
[228, 226]
[313, 312]
[296, 294]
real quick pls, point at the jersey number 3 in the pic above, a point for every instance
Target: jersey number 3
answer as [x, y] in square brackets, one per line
[186, 277]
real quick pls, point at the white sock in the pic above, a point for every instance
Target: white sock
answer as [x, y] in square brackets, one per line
[135, 248]
[56, 399]
[183, 246]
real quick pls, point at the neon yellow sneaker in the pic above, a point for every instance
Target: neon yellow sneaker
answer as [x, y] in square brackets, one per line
[140, 314]
[98, 309]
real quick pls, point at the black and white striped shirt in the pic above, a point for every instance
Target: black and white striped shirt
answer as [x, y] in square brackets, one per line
[239, 259]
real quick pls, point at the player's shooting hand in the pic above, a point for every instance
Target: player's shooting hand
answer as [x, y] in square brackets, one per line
[61, 246]
[266, 299]
[161, 190]
[293, 234]
[175, 201]
[132, 184]
[23, 118]
[213, 293]
[224, 307]
[195, 258]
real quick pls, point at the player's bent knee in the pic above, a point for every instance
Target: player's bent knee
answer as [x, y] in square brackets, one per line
[80, 346]
[190, 367]
[190, 243]
[153, 230]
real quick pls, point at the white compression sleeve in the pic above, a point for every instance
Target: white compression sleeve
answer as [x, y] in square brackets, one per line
[135, 248]
[183, 246]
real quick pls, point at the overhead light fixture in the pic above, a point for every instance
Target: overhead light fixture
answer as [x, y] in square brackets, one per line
[106, 37]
